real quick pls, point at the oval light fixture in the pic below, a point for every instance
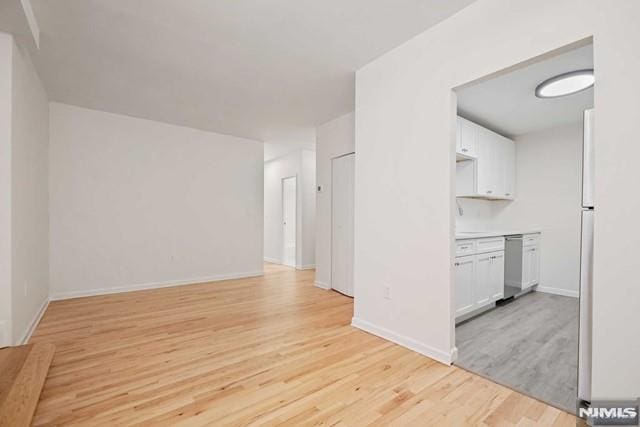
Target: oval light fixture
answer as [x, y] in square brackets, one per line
[566, 84]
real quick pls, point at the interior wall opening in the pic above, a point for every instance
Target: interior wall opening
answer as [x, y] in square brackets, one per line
[521, 295]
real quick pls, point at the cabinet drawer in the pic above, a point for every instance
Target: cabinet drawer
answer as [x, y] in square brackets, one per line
[490, 244]
[465, 247]
[530, 239]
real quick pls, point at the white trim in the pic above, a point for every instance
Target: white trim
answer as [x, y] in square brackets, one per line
[558, 291]
[322, 285]
[410, 343]
[306, 267]
[119, 289]
[5, 339]
[34, 322]
[272, 260]
[454, 354]
[31, 21]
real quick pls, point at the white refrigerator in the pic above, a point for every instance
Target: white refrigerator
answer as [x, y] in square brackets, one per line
[586, 262]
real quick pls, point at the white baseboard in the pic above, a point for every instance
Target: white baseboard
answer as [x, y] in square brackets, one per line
[322, 285]
[272, 260]
[411, 344]
[558, 291]
[34, 322]
[5, 338]
[119, 289]
[306, 267]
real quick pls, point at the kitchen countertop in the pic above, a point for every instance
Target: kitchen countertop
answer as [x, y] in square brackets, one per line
[461, 235]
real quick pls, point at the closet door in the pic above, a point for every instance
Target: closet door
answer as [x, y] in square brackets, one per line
[342, 191]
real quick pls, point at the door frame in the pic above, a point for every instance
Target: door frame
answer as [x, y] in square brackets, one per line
[452, 176]
[282, 246]
[331, 219]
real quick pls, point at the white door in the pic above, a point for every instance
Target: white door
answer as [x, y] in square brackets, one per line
[289, 213]
[342, 200]
[464, 278]
[497, 276]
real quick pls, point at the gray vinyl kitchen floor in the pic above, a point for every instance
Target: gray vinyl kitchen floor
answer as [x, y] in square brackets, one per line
[530, 345]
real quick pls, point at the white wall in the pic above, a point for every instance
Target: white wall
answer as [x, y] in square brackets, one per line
[24, 219]
[300, 164]
[137, 203]
[405, 133]
[6, 53]
[477, 215]
[308, 197]
[334, 138]
[550, 198]
[30, 195]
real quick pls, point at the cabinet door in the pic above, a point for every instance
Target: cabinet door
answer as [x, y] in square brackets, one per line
[482, 287]
[530, 266]
[509, 169]
[467, 140]
[464, 277]
[497, 276]
[486, 163]
[534, 265]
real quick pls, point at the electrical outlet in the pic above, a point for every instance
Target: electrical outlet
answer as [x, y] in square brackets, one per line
[387, 291]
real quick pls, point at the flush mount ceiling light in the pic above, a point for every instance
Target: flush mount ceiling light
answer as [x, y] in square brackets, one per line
[565, 84]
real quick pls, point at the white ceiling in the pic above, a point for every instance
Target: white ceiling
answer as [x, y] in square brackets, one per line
[507, 104]
[253, 68]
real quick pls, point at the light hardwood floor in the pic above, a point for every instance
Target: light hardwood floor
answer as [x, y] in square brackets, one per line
[265, 351]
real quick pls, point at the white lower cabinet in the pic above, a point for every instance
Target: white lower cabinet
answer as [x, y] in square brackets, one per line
[523, 264]
[479, 278]
[496, 279]
[465, 272]
[482, 286]
[531, 266]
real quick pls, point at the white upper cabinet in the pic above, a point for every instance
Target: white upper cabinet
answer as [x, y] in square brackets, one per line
[490, 173]
[487, 181]
[466, 138]
[509, 157]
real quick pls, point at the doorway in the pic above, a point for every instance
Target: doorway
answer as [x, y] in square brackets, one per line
[519, 195]
[342, 214]
[289, 223]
